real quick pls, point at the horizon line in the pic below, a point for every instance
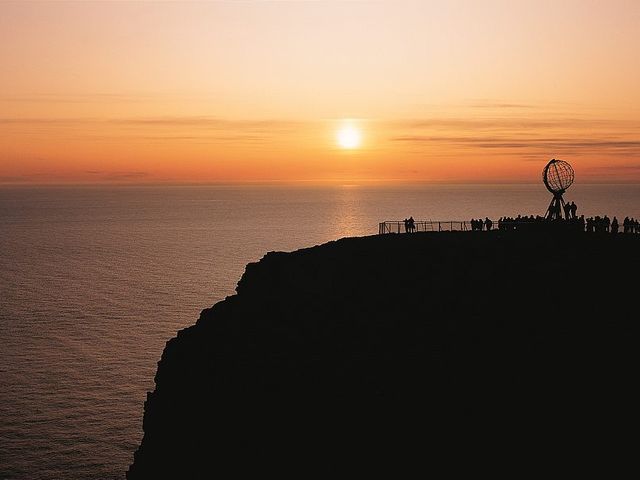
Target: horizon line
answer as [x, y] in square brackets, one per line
[337, 183]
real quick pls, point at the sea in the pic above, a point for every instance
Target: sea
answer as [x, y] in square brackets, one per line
[94, 280]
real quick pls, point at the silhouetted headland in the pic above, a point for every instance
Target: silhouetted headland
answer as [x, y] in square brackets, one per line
[373, 349]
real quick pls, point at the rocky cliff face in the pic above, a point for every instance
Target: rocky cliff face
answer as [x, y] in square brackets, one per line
[343, 353]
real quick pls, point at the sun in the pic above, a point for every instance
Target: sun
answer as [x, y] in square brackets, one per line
[349, 137]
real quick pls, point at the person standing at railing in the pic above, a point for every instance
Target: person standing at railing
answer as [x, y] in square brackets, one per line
[614, 225]
[488, 223]
[412, 225]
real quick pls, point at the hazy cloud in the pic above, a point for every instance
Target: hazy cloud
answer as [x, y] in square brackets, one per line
[193, 122]
[13, 179]
[508, 124]
[122, 175]
[159, 130]
[551, 144]
[618, 168]
[76, 98]
[492, 105]
[211, 122]
[28, 177]
[202, 130]
[520, 135]
[44, 121]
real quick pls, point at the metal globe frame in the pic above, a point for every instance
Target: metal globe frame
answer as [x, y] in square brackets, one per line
[557, 176]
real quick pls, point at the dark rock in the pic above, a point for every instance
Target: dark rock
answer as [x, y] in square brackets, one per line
[365, 350]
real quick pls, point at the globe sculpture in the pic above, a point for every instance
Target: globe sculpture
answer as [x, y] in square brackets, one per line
[557, 177]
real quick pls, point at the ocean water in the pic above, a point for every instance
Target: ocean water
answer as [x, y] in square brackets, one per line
[95, 280]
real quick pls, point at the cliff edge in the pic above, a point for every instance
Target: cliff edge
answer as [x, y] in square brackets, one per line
[366, 347]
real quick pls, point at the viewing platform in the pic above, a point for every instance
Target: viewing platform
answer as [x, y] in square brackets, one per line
[523, 224]
[425, 226]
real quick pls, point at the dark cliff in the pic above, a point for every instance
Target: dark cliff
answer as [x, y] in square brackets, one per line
[348, 351]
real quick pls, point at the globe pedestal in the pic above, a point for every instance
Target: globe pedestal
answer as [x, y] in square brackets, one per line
[556, 208]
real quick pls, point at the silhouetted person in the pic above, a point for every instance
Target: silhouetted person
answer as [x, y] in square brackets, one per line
[574, 210]
[412, 225]
[606, 223]
[488, 223]
[597, 224]
[567, 210]
[406, 225]
[614, 225]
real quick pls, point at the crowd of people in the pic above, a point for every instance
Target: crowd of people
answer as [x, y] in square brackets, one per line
[604, 224]
[630, 225]
[520, 222]
[570, 221]
[595, 224]
[479, 224]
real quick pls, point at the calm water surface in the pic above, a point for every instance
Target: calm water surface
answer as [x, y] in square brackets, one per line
[95, 280]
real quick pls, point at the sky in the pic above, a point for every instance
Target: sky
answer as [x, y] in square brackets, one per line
[232, 91]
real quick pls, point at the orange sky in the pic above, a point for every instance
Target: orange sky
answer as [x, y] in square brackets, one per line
[451, 91]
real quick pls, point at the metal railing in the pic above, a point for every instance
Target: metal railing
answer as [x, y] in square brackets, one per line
[425, 226]
[507, 225]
